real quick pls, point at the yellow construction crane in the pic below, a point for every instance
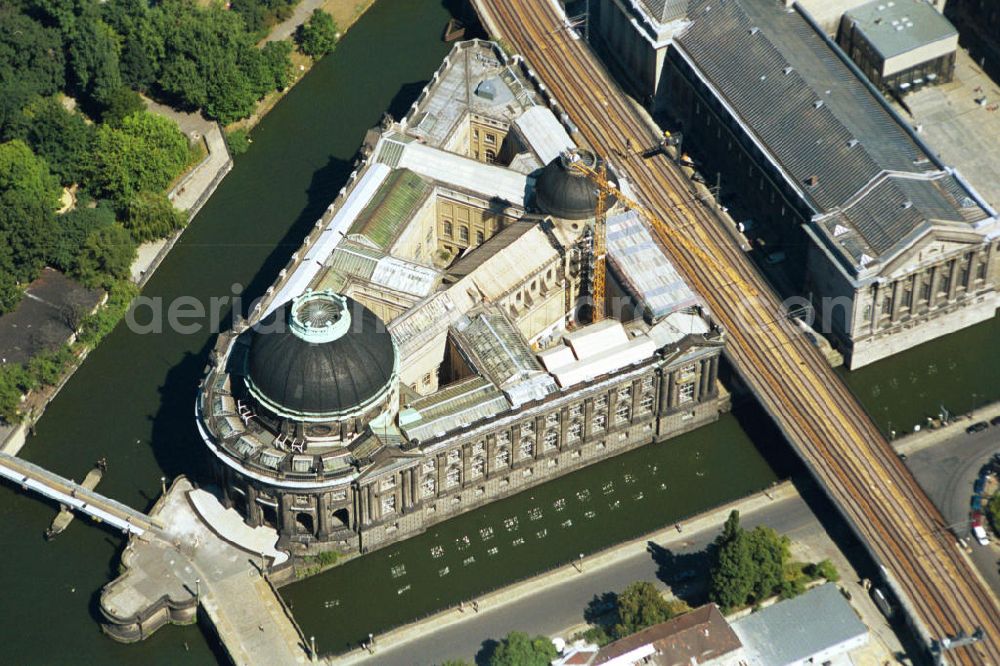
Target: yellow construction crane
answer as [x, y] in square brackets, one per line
[600, 241]
[605, 188]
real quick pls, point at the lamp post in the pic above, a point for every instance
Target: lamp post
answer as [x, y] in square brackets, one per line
[163, 484]
[197, 589]
[263, 563]
[312, 644]
[581, 562]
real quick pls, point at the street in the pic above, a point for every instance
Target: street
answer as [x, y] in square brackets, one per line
[557, 608]
[946, 469]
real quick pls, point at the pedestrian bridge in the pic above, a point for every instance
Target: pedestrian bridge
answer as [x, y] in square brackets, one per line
[75, 496]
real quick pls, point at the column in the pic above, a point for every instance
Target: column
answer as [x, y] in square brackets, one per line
[539, 436]
[588, 417]
[442, 463]
[491, 454]
[404, 490]
[323, 515]
[414, 482]
[896, 298]
[953, 269]
[563, 427]
[934, 272]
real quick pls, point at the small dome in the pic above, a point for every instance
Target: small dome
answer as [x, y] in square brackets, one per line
[321, 354]
[563, 192]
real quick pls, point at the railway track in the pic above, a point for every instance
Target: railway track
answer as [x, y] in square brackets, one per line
[835, 437]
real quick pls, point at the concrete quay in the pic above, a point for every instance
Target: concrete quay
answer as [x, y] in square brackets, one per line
[169, 575]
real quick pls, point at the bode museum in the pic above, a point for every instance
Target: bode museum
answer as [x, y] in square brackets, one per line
[423, 352]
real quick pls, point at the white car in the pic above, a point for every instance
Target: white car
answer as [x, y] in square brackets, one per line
[980, 534]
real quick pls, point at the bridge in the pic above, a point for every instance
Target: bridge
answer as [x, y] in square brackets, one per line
[940, 591]
[76, 496]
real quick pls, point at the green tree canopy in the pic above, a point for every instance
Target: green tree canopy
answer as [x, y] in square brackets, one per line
[29, 194]
[640, 605]
[106, 256]
[150, 215]
[121, 104]
[318, 35]
[63, 138]
[30, 53]
[144, 153]
[519, 649]
[72, 231]
[748, 566]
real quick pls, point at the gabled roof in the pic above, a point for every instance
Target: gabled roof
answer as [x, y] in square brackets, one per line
[452, 407]
[505, 260]
[696, 637]
[834, 139]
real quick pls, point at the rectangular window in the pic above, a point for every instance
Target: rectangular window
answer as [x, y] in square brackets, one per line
[981, 270]
[463, 234]
[479, 238]
[685, 393]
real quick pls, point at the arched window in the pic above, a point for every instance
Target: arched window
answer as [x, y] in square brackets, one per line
[447, 228]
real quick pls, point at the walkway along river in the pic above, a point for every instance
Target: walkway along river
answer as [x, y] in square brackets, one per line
[132, 399]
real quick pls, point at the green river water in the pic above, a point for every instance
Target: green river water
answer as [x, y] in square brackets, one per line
[132, 402]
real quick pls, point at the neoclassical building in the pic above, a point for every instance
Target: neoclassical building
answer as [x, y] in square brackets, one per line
[413, 362]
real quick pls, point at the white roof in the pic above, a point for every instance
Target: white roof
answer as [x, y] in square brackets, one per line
[404, 276]
[317, 254]
[544, 133]
[464, 172]
[646, 272]
[594, 351]
[676, 326]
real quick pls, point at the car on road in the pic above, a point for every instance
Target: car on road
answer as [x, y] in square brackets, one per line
[995, 421]
[981, 536]
[977, 427]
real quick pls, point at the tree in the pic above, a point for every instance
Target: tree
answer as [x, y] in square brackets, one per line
[150, 215]
[72, 231]
[519, 649]
[731, 577]
[12, 377]
[993, 511]
[63, 138]
[29, 194]
[106, 256]
[30, 53]
[94, 59]
[145, 152]
[640, 605]
[121, 104]
[318, 35]
[747, 567]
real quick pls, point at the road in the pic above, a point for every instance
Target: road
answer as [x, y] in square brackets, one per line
[832, 433]
[946, 471]
[553, 610]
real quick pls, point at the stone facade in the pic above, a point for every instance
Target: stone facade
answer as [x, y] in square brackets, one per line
[398, 493]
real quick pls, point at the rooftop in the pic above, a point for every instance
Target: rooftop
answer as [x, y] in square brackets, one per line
[356, 260]
[452, 407]
[643, 269]
[795, 629]
[895, 27]
[392, 208]
[595, 350]
[693, 638]
[835, 140]
[497, 350]
[474, 79]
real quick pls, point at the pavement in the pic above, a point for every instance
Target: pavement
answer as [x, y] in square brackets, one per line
[189, 559]
[945, 463]
[964, 133]
[286, 29]
[553, 604]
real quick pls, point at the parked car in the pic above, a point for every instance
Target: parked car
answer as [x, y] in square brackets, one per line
[977, 503]
[981, 536]
[979, 485]
[995, 421]
[977, 427]
[977, 518]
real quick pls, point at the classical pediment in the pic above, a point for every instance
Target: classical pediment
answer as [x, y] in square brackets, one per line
[932, 247]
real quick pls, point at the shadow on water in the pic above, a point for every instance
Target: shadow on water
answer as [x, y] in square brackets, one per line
[404, 99]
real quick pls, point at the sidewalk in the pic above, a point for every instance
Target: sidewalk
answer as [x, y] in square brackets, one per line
[544, 582]
[918, 441]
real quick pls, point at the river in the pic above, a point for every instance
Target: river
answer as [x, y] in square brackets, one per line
[132, 402]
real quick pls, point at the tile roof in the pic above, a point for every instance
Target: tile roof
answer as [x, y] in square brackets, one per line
[695, 637]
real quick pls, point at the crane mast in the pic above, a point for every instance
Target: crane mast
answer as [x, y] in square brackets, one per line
[600, 246]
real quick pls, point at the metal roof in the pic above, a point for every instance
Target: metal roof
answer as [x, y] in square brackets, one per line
[454, 406]
[644, 270]
[498, 351]
[505, 261]
[832, 137]
[894, 27]
[543, 133]
[489, 180]
[474, 79]
[791, 631]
